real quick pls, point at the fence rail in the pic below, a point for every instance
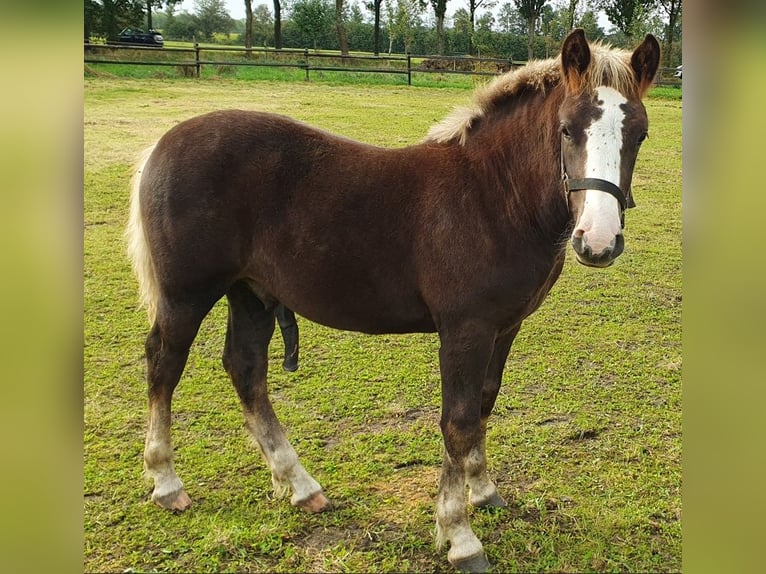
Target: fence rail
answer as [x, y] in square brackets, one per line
[192, 60]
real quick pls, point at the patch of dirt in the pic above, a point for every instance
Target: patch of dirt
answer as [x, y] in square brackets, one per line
[93, 73]
[412, 491]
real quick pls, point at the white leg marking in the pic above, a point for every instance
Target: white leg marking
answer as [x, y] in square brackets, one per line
[158, 464]
[481, 488]
[286, 470]
[451, 516]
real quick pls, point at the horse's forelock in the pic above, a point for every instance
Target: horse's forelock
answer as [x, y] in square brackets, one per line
[609, 67]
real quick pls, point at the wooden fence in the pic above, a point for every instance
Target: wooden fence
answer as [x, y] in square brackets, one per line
[192, 59]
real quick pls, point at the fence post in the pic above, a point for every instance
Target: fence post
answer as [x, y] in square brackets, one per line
[196, 58]
[409, 70]
[306, 56]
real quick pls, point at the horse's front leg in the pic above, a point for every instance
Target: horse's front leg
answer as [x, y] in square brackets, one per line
[464, 358]
[482, 491]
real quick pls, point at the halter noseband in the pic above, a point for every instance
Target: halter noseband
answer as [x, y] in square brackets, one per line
[570, 185]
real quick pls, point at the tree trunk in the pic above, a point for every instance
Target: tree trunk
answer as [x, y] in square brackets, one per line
[571, 15]
[248, 24]
[149, 25]
[376, 7]
[530, 38]
[472, 15]
[277, 25]
[672, 9]
[341, 26]
[440, 34]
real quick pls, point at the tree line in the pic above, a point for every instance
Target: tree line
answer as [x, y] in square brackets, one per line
[517, 29]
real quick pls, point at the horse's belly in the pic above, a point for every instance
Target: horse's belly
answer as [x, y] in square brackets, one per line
[367, 315]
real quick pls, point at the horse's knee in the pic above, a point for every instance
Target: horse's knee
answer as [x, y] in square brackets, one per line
[461, 435]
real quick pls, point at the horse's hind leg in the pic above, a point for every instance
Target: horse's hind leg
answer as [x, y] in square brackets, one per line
[167, 349]
[245, 358]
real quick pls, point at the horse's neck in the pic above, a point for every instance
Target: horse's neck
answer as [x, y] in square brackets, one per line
[518, 157]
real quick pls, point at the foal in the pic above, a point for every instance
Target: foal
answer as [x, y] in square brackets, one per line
[460, 234]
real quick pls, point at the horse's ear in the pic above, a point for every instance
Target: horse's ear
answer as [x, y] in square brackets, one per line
[575, 58]
[645, 61]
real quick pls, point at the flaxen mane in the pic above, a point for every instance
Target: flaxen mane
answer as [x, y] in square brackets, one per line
[608, 67]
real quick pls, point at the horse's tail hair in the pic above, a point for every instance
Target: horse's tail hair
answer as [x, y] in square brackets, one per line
[138, 249]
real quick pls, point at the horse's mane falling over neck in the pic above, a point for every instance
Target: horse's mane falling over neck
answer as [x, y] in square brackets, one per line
[609, 67]
[530, 97]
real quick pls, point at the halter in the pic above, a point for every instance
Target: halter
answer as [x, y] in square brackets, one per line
[570, 185]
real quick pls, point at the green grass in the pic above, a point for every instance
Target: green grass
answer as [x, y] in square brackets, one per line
[585, 442]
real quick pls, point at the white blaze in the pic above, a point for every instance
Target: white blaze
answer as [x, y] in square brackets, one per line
[600, 219]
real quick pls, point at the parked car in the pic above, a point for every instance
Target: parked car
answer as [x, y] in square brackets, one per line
[138, 36]
[678, 73]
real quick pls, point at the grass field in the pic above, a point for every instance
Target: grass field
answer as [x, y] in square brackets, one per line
[585, 442]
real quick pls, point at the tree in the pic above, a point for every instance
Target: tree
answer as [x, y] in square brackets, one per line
[401, 22]
[530, 11]
[626, 15]
[263, 25]
[277, 25]
[213, 17]
[509, 20]
[92, 18]
[474, 5]
[672, 9]
[589, 22]
[312, 18]
[571, 9]
[374, 6]
[158, 4]
[248, 24]
[108, 17]
[483, 34]
[440, 9]
[341, 27]
[461, 25]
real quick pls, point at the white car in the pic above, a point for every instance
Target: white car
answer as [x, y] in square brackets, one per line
[678, 73]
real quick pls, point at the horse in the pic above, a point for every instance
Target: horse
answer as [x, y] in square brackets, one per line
[463, 234]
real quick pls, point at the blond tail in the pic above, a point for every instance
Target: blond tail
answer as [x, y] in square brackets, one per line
[138, 250]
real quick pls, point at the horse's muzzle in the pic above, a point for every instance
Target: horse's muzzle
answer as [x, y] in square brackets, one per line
[604, 258]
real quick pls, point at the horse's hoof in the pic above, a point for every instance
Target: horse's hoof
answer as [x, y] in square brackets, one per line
[290, 365]
[476, 563]
[315, 503]
[177, 501]
[493, 501]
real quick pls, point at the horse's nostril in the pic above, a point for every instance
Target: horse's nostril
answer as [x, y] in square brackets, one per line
[578, 233]
[580, 245]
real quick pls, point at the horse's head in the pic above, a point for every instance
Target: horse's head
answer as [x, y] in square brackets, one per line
[603, 123]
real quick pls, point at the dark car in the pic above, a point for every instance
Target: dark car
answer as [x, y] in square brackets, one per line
[138, 36]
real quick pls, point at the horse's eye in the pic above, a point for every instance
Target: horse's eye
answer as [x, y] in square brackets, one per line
[642, 137]
[565, 131]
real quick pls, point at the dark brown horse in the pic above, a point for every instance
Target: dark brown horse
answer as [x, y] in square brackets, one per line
[463, 234]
